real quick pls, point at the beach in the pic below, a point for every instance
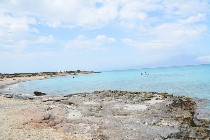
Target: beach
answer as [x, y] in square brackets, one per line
[9, 81]
[104, 115]
[104, 70]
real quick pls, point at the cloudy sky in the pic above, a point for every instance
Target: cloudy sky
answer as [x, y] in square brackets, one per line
[54, 35]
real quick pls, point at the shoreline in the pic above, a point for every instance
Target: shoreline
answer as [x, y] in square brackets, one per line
[10, 79]
[97, 115]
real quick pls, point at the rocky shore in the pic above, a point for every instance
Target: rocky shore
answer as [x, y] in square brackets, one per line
[101, 115]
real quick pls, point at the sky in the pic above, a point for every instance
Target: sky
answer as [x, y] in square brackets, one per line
[99, 35]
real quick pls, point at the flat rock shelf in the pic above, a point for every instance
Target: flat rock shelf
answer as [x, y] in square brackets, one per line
[101, 115]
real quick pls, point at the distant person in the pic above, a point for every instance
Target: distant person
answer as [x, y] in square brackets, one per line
[146, 73]
[141, 73]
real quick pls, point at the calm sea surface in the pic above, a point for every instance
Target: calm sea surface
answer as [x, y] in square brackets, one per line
[192, 81]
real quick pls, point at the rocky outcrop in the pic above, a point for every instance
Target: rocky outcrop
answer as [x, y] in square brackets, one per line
[113, 115]
[132, 115]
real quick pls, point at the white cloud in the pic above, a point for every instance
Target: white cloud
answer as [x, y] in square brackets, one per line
[165, 26]
[203, 59]
[167, 37]
[100, 42]
[66, 13]
[14, 32]
[182, 8]
[44, 39]
[193, 19]
[137, 13]
[133, 11]
[73, 13]
[14, 26]
[18, 35]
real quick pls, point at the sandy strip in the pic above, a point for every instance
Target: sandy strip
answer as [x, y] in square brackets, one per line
[9, 81]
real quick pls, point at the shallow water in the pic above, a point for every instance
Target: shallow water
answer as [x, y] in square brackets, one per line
[192, 81]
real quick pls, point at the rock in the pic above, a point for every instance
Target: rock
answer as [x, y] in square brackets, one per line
[198, 133]
[8, 96]
[23, 97]
[54, 99]
[37, 93]
[98, 114]
[47, 117]
[67, 102]
[204, 122]
[69, 95]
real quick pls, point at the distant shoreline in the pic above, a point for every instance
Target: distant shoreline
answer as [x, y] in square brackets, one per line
[10, 79]
[61, 73]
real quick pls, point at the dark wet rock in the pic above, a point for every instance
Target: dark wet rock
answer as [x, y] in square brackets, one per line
[69, 95]
[37, 93]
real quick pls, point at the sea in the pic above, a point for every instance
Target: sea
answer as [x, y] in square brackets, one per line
[191, 81]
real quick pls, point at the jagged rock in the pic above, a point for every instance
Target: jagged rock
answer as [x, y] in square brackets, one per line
[37, 93]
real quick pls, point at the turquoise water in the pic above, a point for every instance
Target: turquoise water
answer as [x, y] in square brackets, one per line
[192, 81]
